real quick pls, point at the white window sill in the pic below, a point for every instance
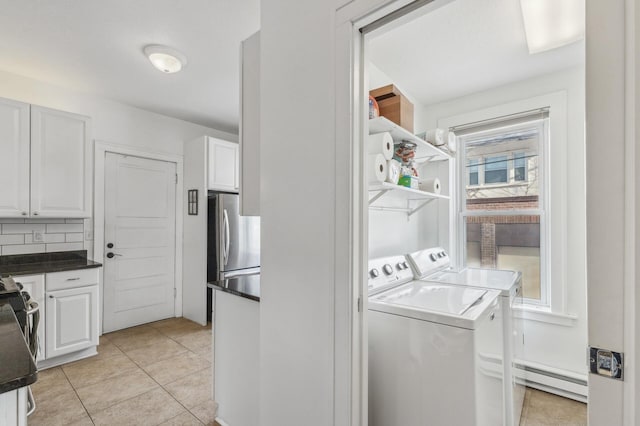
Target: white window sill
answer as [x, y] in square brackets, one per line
[544, 314]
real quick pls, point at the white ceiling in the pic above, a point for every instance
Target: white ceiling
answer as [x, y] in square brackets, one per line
[95, 46]
[464, 47]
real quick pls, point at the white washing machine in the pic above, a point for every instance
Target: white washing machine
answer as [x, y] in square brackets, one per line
[433, 265]
[431, 351]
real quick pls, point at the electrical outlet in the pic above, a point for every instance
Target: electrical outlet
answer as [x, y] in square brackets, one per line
[88, 235]
[38, 237]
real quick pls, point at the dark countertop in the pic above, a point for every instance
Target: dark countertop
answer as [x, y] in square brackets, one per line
[42, 263]
[17, 367]
[247, 286]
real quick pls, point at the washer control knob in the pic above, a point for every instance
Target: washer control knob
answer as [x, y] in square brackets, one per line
[374, 273]
[387, 269]
[399, 266]
[433, 257]
[405, 265]
[444, 254]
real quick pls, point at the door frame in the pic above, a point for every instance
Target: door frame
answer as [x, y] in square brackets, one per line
[605, 395]
[101, 149]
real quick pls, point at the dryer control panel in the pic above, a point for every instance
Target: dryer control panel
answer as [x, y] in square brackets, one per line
[428, 261]
[387, 272]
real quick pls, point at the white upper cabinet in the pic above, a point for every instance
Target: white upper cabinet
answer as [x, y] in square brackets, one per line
[250, 126]
[60, 164]
[223, 165]
[14, 151]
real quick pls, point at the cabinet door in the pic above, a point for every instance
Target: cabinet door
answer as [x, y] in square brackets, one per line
[72, 320]
[250, 126]
[223, 165]
[14, 152]
[61, 173]
[34, 285]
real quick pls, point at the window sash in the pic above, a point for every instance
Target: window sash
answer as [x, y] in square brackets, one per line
[542, 164]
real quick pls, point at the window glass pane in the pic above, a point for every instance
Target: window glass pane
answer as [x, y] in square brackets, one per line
[503, 167]
[507, 242]
[519, 167]
[472, 168]
[495, 169]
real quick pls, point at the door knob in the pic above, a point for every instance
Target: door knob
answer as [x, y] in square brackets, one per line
[110, 245]
[111, 255]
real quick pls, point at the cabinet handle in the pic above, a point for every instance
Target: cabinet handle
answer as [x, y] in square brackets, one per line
[50, 296]
[24, 213]
[73, 279]
[35, 213]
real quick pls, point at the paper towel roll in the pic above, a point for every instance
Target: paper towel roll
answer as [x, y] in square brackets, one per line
[381, 143]
[435, 137]
[451, 141]
[430, 185]
[377, 168]
[393, 171]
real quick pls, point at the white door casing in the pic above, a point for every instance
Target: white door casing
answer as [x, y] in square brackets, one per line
[140, 222]
[14, 151]
[61, 164]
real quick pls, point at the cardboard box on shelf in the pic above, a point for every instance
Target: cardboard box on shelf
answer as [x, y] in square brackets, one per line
[394, 105]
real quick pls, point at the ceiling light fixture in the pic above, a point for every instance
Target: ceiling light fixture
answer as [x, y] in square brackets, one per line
[165, 59]
[550, 24]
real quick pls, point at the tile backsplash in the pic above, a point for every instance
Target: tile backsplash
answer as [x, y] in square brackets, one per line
[20, 236]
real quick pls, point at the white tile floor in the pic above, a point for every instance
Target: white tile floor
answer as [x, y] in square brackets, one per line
[155, 374]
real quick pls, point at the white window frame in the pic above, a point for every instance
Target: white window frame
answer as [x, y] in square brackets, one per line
[541, 211]
[556, 201]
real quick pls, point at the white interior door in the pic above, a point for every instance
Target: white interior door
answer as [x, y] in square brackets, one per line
[140, 225]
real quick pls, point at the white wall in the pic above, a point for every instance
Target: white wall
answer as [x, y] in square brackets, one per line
[111, 121]
[558, 346]
[298, 214]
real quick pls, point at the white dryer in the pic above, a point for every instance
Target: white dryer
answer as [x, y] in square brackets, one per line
[433, 265]
[428, 346]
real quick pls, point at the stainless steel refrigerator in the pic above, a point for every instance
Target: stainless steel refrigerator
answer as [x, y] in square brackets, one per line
[233, 246]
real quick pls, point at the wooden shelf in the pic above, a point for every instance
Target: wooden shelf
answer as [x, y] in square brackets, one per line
[424, 150]
[415, 198]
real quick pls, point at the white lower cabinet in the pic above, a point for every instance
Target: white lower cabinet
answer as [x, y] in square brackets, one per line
[72, 320]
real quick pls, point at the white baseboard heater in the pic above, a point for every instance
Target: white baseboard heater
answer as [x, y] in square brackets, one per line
[560, 382]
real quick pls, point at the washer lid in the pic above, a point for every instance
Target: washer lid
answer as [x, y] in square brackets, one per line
[505, 281]
[439, 298]
[456, 306]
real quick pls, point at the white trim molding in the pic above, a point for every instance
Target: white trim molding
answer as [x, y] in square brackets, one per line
[543, 314]
[101, 149]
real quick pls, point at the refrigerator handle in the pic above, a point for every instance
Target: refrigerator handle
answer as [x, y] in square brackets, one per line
[225, 219]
